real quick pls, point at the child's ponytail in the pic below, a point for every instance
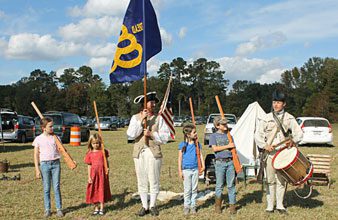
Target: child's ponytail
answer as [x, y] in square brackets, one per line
[187, 129]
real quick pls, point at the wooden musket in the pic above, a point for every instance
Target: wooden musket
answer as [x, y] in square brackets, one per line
[102, 144]
[235, 159]
[68, 159]
[198, 154]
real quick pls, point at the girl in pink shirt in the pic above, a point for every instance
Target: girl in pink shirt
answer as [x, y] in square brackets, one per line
[47, 155]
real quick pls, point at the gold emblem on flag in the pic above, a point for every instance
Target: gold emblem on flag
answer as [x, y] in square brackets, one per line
[126, 50]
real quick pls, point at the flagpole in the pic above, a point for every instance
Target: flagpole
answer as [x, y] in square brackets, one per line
[145, 59]
[145, 68]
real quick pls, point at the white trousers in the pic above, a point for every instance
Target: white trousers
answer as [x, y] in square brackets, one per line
[148, 170]
[276, 187]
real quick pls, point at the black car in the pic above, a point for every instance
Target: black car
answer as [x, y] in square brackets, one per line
[63, 121]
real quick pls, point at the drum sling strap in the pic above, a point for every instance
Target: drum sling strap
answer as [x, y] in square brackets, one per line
[279, 124]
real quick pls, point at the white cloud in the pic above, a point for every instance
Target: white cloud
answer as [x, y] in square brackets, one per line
[88, 28]
[166, 37]
[101, 50]
[239, 68]
[298, 20]
[153, 65]
[261, 42]
[270, 76]
[94, 8]
[3, 46]
[182, 32]
[100, 63]
[34, 47]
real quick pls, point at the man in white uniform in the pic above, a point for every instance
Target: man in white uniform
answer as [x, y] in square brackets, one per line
[269, 134]
[147, 151]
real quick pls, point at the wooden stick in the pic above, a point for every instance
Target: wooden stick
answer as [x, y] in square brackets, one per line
[235, 158]
[68, 159]
[198, 154]
[102, 143]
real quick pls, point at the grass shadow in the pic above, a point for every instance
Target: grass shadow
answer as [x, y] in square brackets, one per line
[293, 200]
[317, 145]
[255, 196]
[121, 202]
[16, 167]
[15, 148]
[74, 208]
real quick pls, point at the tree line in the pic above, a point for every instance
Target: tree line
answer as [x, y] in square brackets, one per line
[311, 90]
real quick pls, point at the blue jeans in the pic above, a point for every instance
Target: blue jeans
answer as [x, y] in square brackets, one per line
[190, 187]
[225, 171]
[50, 172]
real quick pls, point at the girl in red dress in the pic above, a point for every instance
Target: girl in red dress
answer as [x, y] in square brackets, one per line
[98, 190]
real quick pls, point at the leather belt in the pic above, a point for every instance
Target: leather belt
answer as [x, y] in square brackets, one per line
[224, 159]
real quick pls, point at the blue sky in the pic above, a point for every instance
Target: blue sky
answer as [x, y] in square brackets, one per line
[252, 40]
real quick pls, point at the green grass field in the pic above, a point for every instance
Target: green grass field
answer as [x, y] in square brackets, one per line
[24, 199]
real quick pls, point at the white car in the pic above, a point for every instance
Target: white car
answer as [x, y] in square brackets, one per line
[316, 130]
[178, 122]
[209, 127]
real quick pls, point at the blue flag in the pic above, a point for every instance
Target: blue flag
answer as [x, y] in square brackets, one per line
[139, 40]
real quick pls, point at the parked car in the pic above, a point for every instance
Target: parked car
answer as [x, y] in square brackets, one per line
[199, 120]
[119, 122]
[210, 128]
[126, 121]
[178, 122]
[107, 123]
[316, 130]
[15, 127]
[90, 123]
[63, 121]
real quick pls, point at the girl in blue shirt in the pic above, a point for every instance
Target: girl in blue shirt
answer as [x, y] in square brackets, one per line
[188, 167]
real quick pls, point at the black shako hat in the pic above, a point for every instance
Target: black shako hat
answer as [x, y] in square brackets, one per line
[151, 96]
[278, 96]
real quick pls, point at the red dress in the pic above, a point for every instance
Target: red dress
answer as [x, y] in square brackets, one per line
[98, 190]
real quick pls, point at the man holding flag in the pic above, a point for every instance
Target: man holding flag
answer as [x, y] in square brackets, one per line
[139, 41]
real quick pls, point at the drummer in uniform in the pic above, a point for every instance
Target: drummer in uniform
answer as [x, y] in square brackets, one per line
[267, 136]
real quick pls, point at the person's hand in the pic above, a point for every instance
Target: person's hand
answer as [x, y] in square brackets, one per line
[144, 114]
[37, 174]
[202, 171]
[90, 180]
[231, 145]
[146, 132]
[290, 143]
[180, 174]
[269, 148]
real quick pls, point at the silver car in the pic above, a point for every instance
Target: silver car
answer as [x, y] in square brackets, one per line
[107, 123]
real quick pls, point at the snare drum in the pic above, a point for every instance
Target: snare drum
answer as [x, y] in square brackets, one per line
[292, 165]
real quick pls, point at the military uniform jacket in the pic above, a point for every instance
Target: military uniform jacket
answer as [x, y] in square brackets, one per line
[159, 134]
[267, 127]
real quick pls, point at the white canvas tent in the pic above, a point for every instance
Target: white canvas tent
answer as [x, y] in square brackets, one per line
[244, 132]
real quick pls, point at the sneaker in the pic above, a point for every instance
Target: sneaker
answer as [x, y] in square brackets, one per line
[186, 210]
[142, 212]
[59, 213]
[47, 213]
[96, 212]
[193, 210]
[154, 211]
[101, 212]
[282, 211]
